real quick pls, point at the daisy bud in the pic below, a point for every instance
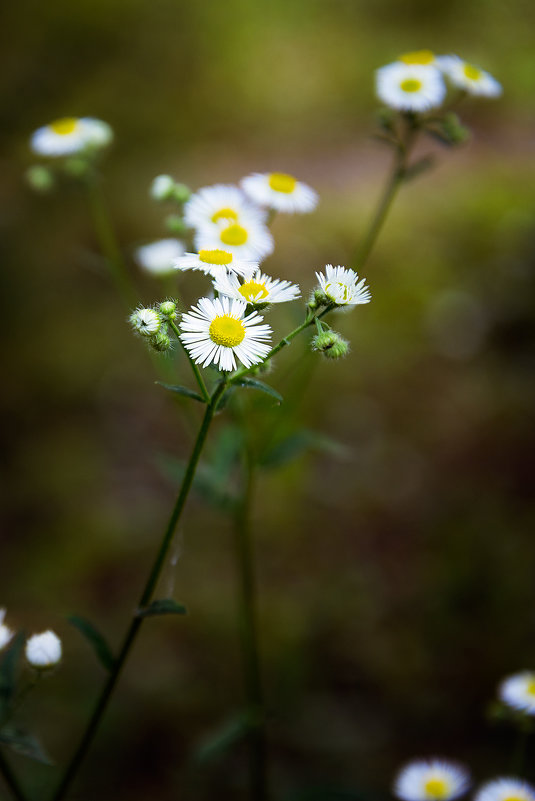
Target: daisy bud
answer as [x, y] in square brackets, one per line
[318, 299]
[168, 309]
[181, 193]
[43, 651]
[146, 322]
[160, 342]
[331, 344]
[162, 187]
[5, 633]
[454, 131]
[175, 224]
[40, 178]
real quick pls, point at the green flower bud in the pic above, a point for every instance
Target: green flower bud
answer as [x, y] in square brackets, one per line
[331, 344]
[175, 224]
[318, 299]
[453, 129]
[160, 342]
[40, 178]
[181, 193]
[76, 167]
[168, 309]
[146, 322]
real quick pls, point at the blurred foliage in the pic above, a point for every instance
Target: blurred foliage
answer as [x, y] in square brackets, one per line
[396, 575]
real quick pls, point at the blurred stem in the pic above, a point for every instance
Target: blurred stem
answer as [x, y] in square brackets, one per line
[247, 615]
[145, 598]
[10, 779]
[519, 753]
[404, 144]
[108, 242]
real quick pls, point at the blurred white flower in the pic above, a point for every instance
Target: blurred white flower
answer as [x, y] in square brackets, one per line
[279, 191]
[220, 202]
[410, 87]
[506, 789]
[159, 257]
[431, 780]
[5, 633]
[70, 135]
[418, 57]
[43, 651]
[467, 76]
[162, 187]
[518, 691]
[248, 239]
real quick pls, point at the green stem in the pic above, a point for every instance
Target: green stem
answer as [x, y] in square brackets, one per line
[10, 779]
[108, 242]
[247, 602]
[146, 596]
[196, 371]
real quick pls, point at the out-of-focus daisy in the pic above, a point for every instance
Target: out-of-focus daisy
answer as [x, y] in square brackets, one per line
[259, 289]
[43, 651]
[216, 262]
[518, 691]
[342, 286]
[467, 76]
[159, 257]
[246, 239]
[280, 191]
[506, 789]
[410, 87]
[70, 135]
[220, 202]
[431, 780]
[5, 633]
[418, 57]
[217, 331]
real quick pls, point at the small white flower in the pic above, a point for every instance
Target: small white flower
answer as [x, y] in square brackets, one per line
[258, 289]
[467, 76]
[217, 331]
[70, 135]
[342, 286]
[220, 202]
[159, 257]
[280, 191]
[216, 262]
[146, 322]
[248, 239]
[162, 187]
[518, 691]
[5, 633]
[410, 87]
[43, 651]
[506, 789]
[431, 780]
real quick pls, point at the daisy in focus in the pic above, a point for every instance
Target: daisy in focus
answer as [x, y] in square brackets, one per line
[342, 286]
[467, 76]
[279, 191]
[518, 691]
[220, 202]
[216, 262]
[506, 789]
[410, 87]
[431, 780]
[216, 331]
[246, 239]
[159, 257]
[259, 289]
[5, 633]
[70, 135]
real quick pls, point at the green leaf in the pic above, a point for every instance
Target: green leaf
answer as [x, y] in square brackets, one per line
[95, 639]
[209, 483]
[189, 393]
[8, 671]
[24, 743]
[220, 740]
[165, 606]
[294, 445]
[253, 383]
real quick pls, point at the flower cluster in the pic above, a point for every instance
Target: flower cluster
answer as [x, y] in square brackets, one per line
[42, 651]
[440, 780]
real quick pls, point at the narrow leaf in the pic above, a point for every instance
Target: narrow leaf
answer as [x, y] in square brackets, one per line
[253, 383]
[165, 606]
[294, 445]
[24, 743]
[8, 671]
[206, 483]
[95, 639]
[189, 393]
[220, 740]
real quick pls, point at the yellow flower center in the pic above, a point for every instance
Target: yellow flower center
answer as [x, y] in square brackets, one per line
[227, 331]
[64, 126]
[471, 72]
[436, 788]
[281, 182]
[530, 689]
[234, 235]
[215, 256]
[224, 214]
[514, 798]
[410, 85]
[251, 291]
[418, 57]
[337, 290]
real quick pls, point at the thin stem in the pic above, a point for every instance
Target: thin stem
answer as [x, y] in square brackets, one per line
[108, 242]
[196, 371]
[247, 602]
[10, 779]
[146, 596]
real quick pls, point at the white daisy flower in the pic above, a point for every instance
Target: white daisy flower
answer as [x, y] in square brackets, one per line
[506, 789]
[418, 57]
[258, 289]
[43, 651]
[280, 191]
[246, 239]
[467, 76]
[70, 135]
[5, 633]
[220, 202]
[216, 331]
[410, 87]
[518, 691]
[342, 286]
[146, 322]
[159, 257]
[431, 780]
[216, 262]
